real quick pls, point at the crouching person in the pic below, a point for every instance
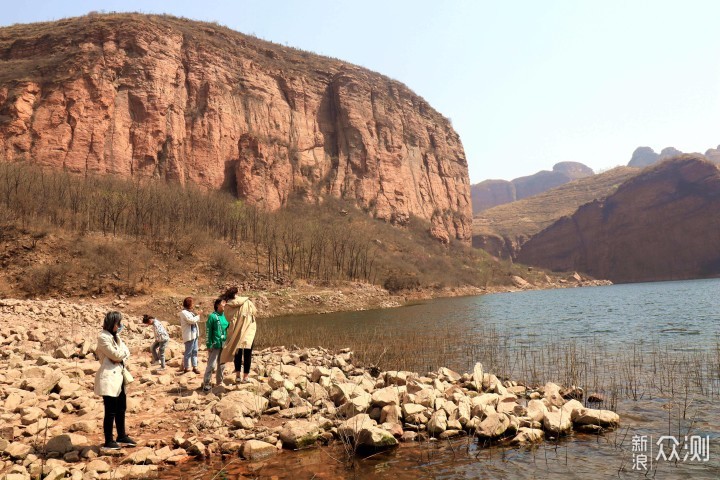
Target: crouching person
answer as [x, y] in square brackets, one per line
[161, 340]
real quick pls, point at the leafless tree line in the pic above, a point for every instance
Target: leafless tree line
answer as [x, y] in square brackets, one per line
[296, 242]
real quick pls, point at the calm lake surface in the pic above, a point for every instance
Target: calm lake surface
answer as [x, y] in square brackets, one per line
[653, 347]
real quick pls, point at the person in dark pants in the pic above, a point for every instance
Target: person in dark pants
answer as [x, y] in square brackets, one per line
[240, 313]
[242, 361]
[110, 381]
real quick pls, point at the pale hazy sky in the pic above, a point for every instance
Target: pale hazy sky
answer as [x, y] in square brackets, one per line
[526, 84]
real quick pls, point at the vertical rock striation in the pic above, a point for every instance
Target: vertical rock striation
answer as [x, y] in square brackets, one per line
[155, 96]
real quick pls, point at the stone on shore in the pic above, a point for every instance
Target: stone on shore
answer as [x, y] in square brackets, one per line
[256, 450]
[299, 434]
[601, 418]
[493, 426]
[65, 443]
[528, 435]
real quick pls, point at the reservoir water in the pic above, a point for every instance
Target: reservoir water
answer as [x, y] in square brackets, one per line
[652, 350]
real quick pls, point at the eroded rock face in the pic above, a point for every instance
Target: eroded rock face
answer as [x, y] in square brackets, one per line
[656, 226]
[155, 96]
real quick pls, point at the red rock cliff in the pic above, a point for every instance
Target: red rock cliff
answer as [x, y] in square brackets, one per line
[142, 96]
[662, 224]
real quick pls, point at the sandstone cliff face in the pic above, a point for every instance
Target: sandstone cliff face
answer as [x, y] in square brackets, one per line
[155, 96]
[490, 193]
[660, 225]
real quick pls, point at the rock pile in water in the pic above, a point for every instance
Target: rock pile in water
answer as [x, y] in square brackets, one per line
[51, 422]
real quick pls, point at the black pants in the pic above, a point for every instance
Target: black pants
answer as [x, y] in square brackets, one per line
[243, 357]
[114, 413]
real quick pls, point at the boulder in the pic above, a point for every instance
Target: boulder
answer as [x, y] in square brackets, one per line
[65, 443]
[493, 426]
[591, 416]
[98, 466]
[140, 457]
[299, 434]
[42, 385]
[240, 403]
[438, 423]
[280, 398]
[85, 426]
[528, 435]
[18, 451]
[256, 449]
[391, 414]
[386, 396]
[557, 421]
[449, 375]
[552, 395]
[318, 373]
[376, 438]
[352, 426]
[359, 403]
[296, 412]
[536, 410]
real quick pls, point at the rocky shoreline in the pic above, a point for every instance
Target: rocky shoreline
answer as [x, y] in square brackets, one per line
[51, 420]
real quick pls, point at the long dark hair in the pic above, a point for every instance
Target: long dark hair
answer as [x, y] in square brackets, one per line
[229, 293]
[112, 319]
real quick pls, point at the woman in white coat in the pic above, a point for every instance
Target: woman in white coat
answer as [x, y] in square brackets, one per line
[189, 324]
[112, 353]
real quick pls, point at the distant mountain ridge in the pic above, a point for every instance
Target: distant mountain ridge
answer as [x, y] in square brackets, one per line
[490, 193]
[646, 156]
[660, 225]
[503, 229]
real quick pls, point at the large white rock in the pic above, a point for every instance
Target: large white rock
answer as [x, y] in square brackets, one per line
[426, 397]
[391, 414]
[357, 404]
[280, 398]
[591, 416]
[438, 423]
[256, 449]
[528, 435]
[536, 410]
[477, 376]
[386, 396]
[240, 403]
[557, 421]
[341, 393]
[552, 395]
[493, 426]
[299, 433]
[352, 426]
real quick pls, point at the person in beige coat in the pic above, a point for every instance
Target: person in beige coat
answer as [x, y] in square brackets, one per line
[240, 313]
[112, 353]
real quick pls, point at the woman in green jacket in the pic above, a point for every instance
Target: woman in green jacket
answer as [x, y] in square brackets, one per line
[216, 331]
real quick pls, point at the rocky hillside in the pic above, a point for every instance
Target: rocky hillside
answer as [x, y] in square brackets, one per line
[490, 193]
[659, 225]
[156, 96]
[503, 229]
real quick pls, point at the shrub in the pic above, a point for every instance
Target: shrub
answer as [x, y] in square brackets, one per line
[398, 281]
[44, 279]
